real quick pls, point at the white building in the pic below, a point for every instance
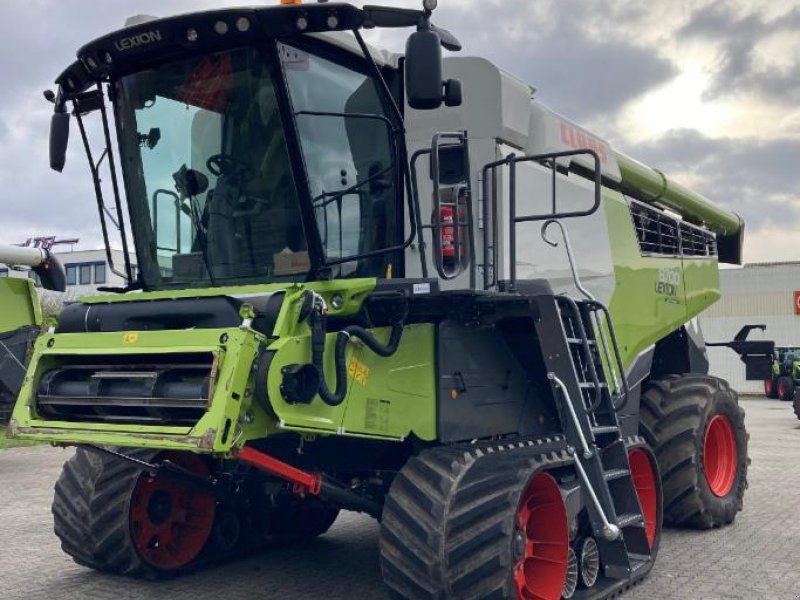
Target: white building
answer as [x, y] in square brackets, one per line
[86, 271]
[766, 293]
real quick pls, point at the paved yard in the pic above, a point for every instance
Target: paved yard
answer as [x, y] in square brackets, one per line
[757, 558]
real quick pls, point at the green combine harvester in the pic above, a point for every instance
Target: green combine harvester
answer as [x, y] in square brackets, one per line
[393, 284]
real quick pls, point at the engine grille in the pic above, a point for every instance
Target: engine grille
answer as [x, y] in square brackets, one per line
[662, 234]
[165, 389]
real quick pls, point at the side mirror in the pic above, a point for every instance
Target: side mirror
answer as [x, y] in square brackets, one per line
[51, 274]
[452, 92]
[424, 70]
[59, 138]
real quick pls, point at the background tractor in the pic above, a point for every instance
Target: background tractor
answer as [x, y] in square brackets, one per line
[21, 316]
[393, 284]
[785, 375]
[784, 378]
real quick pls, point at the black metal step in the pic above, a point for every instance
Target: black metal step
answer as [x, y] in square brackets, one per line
[579, 341]
[630, 520]
[604, 430]
[616, 474]
[638, 562]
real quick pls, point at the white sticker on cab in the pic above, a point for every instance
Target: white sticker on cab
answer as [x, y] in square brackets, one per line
[422, 288]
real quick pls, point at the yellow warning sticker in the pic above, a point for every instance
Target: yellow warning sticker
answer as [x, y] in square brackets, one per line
[130, 337]
[358, 371]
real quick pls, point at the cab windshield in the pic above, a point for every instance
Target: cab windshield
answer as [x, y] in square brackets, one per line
[208, 176]
[212, 194]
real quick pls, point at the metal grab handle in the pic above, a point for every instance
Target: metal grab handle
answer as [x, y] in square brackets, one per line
[610, 531]
[617, 355]
[568, 247]
[587, 450]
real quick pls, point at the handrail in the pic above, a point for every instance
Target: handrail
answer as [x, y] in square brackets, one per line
[511, 161]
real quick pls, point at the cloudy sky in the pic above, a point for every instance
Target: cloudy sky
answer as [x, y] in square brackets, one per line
[706, 90]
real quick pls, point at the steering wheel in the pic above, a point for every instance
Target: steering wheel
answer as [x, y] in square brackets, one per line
[224, 164]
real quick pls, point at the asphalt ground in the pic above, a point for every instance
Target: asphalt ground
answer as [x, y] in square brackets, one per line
[758, 557]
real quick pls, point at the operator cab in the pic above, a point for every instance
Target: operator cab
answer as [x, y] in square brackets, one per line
[250, 151]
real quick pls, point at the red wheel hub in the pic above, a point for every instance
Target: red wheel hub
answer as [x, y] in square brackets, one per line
[720, 455]
[541, 541]
[781, 390]
[768, 386]
[170, 523]
[644, 480]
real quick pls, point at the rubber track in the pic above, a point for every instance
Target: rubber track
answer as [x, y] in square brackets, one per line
[448, 516]
[674, 412]
[91, 512]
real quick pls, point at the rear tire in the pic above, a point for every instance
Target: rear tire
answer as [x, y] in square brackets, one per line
[785, 388]
[770, 388]
[796, 405]
[97, 520]
[696, 428]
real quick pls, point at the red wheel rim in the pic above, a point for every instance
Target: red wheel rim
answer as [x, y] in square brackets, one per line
[767, 386]
[541, 541]
[720, 456]
[781, 389]
[170, 523]
[644, 480]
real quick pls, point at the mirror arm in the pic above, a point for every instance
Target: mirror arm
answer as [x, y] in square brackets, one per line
[98, 192]
[115, 188]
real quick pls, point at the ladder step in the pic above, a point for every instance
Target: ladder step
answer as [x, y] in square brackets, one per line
[630, 520]
[572, 340]
[616, 474]
[588, 385]
[605, 430]
[638, 561]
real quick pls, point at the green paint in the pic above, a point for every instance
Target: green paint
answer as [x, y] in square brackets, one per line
[19, 302]
[654, 295]
[234, 358]
[388, 398]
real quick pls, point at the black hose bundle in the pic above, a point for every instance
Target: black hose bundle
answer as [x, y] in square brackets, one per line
[318, 322]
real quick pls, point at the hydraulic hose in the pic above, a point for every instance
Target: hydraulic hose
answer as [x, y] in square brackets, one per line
[318, 321]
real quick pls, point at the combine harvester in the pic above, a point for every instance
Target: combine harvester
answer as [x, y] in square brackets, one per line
[21, 316]
[356, 290]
